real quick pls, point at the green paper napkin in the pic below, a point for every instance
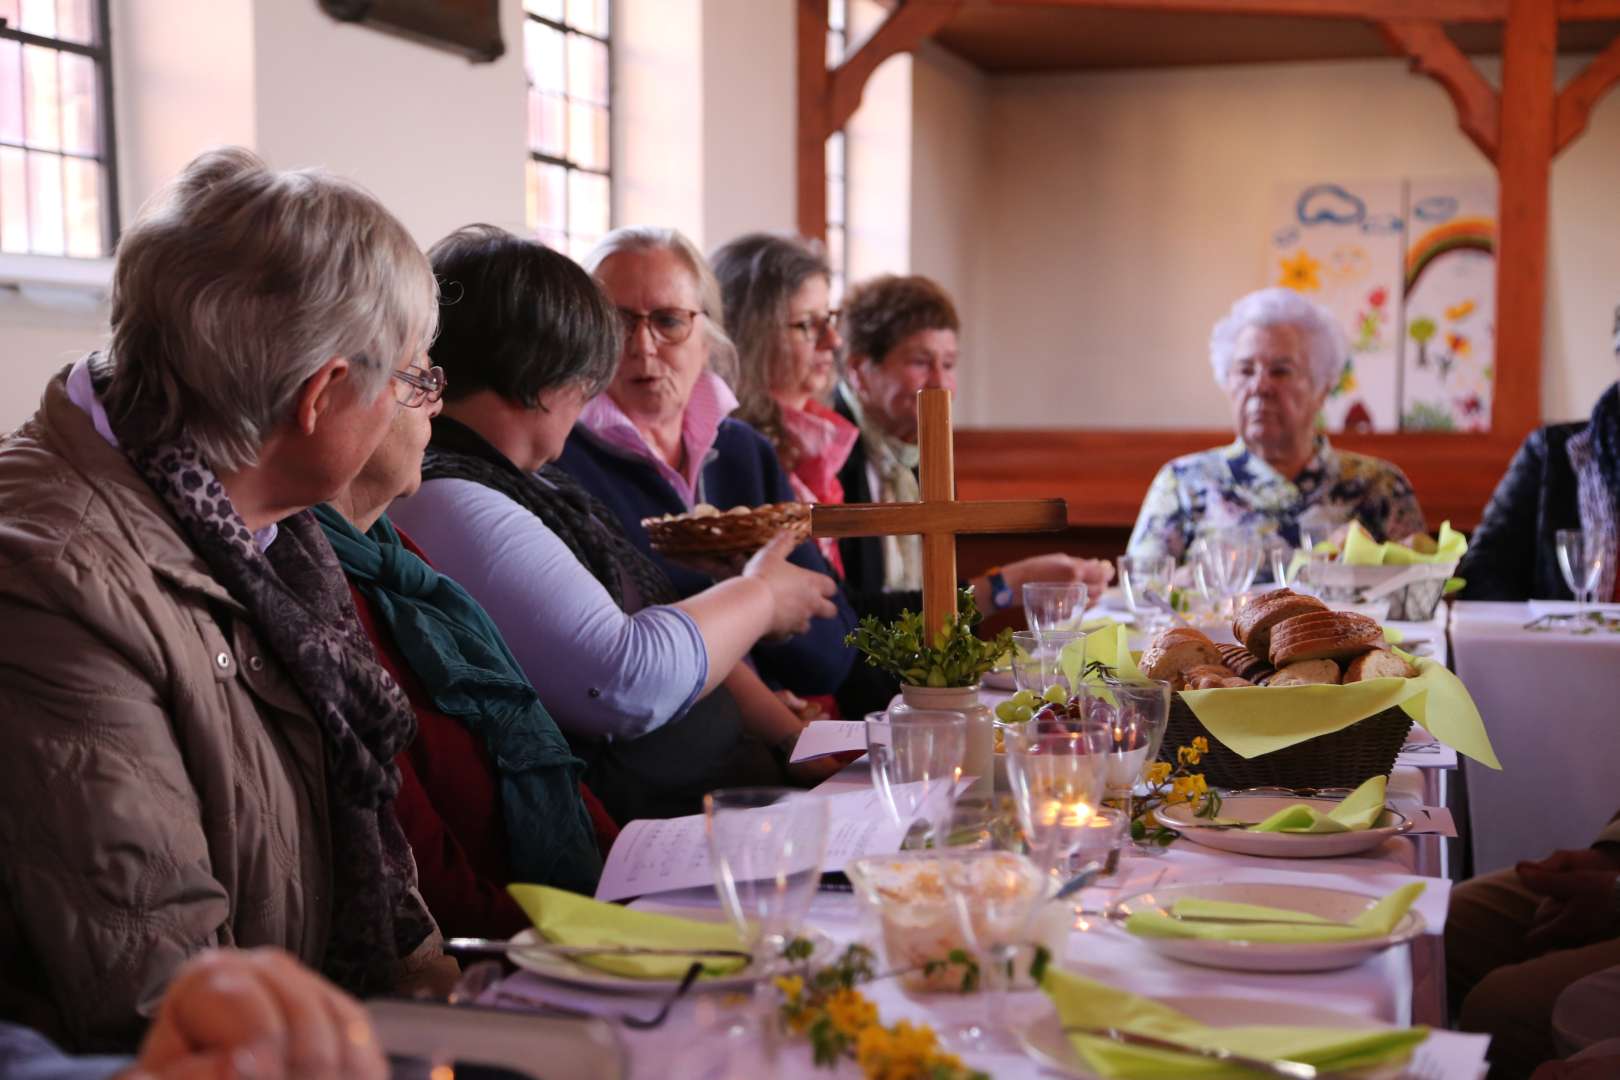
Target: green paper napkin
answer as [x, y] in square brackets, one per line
[1279, 925]
[1255, 720]
[565, 918]
[1361, 809]
[1109, 643]
[1360, 549]
[1083, 1002]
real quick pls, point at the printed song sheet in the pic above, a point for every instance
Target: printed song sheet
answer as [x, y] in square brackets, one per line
[821, 738]
[660, 856]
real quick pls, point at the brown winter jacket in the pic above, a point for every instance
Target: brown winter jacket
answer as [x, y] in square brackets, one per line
[161, 781]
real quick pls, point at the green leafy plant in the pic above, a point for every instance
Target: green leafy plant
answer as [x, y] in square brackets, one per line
[955, 657]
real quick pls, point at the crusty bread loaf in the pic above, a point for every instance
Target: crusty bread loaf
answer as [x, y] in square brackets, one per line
[1306, 673]
[1323, 635]
[1244, 663]
[1254, 622]
[1377, 664]
[1172, 652]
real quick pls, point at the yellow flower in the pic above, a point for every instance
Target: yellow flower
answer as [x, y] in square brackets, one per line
[1187, 755]
[1460, 311]
[792, 986]
[1200, 744]
[1301, 273]
[850, 1013]
[1158, 772]
[1188, 788]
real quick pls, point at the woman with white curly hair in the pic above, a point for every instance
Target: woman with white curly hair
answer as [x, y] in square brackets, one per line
[1276, 354]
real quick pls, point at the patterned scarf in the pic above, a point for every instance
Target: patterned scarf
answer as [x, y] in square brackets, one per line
[1595, 456]
[299, 604]
[896, 465]
[589, 528]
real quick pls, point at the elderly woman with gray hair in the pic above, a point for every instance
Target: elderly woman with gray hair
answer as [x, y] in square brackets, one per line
[1276, 355]
[199, 738]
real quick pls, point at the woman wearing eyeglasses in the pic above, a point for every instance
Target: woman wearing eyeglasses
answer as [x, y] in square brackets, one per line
[648, 685]
[661, 439]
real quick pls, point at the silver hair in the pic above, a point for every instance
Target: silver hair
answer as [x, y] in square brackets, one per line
[237, 282]
[639, 238]
[1326, 349]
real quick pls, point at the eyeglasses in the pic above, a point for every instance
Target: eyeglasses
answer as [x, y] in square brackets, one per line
[425, 387]
[812, 328]
[668, 325]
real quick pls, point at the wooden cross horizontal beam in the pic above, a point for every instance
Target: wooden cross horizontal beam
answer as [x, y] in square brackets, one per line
[895, 519]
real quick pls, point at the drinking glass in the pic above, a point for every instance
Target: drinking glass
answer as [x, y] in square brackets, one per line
[1057, 770]
[1050, 605]
[1135, 715]
[993, 903]
[916, 761]
[1227, 561]
[1147, 581]
[766, 846]
[1038, 659]
[1582, 563]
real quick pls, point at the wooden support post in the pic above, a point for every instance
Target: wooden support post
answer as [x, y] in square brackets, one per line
[814, 94]
[1432, 53]
[1524, 162]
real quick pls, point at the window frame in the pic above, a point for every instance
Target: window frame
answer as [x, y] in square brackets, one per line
[99, 52]
[566, 163]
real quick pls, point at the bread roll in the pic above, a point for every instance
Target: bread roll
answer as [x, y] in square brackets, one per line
[1306, 673]
[1378, 664]
[1244, 664]
[1172, 652]
[1254, 623]
[1323, 635]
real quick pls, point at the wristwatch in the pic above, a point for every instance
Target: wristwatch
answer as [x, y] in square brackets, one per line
[1001, 594]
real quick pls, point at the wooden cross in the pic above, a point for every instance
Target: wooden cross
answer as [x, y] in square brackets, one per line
[939, 517]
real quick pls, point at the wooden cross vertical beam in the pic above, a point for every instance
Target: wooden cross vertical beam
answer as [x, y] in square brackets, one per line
[939, 517]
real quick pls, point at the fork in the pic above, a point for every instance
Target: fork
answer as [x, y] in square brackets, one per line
[629, 1020]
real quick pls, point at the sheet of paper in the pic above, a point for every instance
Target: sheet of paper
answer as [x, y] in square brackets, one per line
[659, 856]
[821, 738]
[1431, 819]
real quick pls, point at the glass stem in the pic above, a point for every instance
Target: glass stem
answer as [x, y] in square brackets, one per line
[997, 975]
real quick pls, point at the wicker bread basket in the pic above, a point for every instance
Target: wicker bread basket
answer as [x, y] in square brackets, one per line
[738, 531]
[1344, 758]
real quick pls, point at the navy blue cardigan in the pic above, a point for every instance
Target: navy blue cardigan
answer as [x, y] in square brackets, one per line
[742, 470]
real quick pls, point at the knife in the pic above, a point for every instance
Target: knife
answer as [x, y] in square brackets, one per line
[1290, 1070]
[490, 945]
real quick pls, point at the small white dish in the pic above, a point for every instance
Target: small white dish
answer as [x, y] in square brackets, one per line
[1238, 955]
[557, 969]
[1252, 809]
[1044, 1040]
[998, 679]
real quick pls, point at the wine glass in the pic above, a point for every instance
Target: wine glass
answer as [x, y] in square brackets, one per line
[1135, 715]
[1038, 658]
[1050, 605]
[1582, 563]
[1057, 769]
[916, 761]
[1147, 581]
[766, 846]
[1227, 562]
[994, 903]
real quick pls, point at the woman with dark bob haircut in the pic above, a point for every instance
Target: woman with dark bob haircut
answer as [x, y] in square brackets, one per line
[649, 688]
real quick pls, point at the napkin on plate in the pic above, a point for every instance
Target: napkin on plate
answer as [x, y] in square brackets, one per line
[1269, 924]
[1361, 809]
[1082, 1002]
[565, 918]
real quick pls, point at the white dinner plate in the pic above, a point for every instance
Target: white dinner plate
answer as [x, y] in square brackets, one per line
[1044, 1040]
[998, 679]
[1335, 904]
[557, 969]
[1253, 809]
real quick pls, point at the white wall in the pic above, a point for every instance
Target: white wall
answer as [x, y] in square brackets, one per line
[750, 115]
[1121, 213]
[658, 114]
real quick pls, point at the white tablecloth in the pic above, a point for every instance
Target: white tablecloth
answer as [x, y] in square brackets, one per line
[1551, 703]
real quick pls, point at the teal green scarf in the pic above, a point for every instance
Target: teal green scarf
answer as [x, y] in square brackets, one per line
[462, 661]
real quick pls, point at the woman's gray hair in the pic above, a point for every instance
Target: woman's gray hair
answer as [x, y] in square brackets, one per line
[758, 274]
[633, 239]
[237, 282]
[1326, 349]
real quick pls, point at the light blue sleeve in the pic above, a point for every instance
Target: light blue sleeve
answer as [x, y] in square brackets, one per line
[26, 1055]
[598, 671]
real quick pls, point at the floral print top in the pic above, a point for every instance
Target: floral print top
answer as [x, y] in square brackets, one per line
[1230, 487]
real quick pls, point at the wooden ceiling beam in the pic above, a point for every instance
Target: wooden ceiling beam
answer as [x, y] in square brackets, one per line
[1588, 10]
[1438, 10]
[907, 27]
[1432, 53]
[1576, 99]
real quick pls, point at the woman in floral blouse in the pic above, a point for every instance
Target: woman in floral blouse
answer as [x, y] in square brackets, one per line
[1276, 354]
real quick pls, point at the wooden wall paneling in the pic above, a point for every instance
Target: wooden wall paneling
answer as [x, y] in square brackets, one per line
[1576, 99]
